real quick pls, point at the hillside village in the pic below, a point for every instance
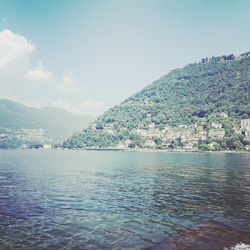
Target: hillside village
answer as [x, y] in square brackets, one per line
[24, 126]
[24, 138]
[186, 137]
[210, 130]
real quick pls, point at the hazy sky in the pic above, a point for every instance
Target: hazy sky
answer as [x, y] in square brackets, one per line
[87, 56]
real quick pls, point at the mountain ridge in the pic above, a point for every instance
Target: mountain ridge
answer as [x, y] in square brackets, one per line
[57, 124]
[183, 97]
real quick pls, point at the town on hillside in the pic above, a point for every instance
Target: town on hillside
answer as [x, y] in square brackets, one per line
[207, 134]
[25, 138]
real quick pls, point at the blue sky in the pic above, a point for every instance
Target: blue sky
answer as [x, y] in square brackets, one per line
[87, 56]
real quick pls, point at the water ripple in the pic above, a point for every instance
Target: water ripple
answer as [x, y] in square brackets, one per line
[123, 200]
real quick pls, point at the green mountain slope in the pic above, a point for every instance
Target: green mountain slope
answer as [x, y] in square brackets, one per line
[186, 96]
[48, 124]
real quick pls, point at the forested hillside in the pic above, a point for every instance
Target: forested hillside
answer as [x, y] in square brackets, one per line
[200, 93]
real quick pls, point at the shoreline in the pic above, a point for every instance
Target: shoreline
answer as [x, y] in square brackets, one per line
[143, 150]
[155, 150]
[165, 151]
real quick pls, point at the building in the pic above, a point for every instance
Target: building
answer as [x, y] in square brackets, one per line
[93, 126]
[237, 130]
[213, 145]
[216, 133]
[223, 114]
[245, 55]
[151, 126]
[150, 144]
[189, 146]
[245, 127]
[109, 128]
[127, 143]
[245, 123]
[216, 125]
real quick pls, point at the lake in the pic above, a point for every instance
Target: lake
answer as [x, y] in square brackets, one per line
[62, 199]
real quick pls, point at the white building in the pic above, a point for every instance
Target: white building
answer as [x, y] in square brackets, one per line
[245, 127]
[47, 146]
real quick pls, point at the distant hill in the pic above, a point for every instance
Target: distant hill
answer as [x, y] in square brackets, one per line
[186, 97]
[21, 124]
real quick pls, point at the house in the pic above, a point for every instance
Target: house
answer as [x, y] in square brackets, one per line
[150, 144]
[216, 125]
[182, 126]
[216, 133]
[237, 130]
[245, 127]
[93, 126]
[213, 145]
[47, 146]
[151, 126]
[127, 143]
[109, 128]
[121, 146]
[245, 55]
[223, 114]
[189, 146]
[245, 123]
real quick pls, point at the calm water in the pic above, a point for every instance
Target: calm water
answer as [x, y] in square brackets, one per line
[123, 200]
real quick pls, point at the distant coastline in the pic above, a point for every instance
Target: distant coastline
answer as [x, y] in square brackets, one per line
[145, 150]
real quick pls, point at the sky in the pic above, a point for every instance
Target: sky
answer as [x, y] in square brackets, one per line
[89, 55]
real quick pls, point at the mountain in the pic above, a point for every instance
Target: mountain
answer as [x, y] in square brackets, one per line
[200, 104]
[20, 124]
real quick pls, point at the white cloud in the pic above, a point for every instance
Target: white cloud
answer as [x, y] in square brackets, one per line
[39, 74]
[67, 82]
[25, 82]
[84, 107]
[15, 54]
[14, 48]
